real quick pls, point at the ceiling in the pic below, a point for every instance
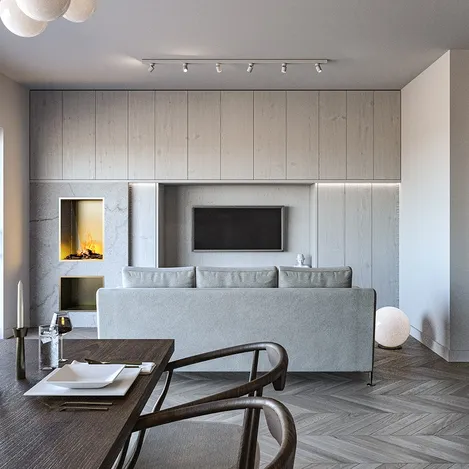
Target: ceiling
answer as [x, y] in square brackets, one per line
[372, 44]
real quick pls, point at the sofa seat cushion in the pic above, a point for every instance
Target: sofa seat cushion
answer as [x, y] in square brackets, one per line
[146, 277]
[300, 277]
[236, 277]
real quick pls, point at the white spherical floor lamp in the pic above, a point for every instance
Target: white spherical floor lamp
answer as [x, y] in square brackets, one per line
[392, 328]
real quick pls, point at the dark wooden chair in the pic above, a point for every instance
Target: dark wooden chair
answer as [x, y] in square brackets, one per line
[276, 375]
[174, 448]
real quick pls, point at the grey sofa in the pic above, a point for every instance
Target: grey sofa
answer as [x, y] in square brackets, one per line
[324, 325]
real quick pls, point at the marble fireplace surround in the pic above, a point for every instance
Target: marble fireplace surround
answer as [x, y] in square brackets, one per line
[45, 267]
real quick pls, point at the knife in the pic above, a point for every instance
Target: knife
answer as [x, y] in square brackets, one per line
[112, 362]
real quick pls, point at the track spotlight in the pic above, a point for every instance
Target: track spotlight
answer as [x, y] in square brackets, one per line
[151, 68]
[250, 67]
[185, 67]
[218, 67]
[318, 68]
[284, 68]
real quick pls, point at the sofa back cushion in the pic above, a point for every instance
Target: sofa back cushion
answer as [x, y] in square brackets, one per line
[147, 277]
[236, 277]
[300, 277]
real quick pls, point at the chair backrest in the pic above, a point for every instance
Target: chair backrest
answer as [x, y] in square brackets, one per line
[279, 421]
[276, 376]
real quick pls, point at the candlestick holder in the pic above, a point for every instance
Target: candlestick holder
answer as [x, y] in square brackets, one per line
[20, 333]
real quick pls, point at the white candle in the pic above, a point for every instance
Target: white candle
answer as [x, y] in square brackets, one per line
[20, 306]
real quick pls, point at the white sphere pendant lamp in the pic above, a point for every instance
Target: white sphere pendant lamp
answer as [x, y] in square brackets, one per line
[80, 10]
[43, 10]
[392, 327]
[17, 22]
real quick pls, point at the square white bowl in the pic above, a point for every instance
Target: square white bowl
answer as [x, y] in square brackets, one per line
[84, 376]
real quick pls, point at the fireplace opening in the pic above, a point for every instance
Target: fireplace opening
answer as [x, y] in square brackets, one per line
[81, 229]
[79, 293]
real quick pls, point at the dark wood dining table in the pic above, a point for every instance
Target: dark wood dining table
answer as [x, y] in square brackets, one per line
[34, 434]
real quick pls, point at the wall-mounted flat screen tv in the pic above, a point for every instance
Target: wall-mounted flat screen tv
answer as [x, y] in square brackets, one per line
[241, 228]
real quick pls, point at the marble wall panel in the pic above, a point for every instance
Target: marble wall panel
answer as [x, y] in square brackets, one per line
[45, 266]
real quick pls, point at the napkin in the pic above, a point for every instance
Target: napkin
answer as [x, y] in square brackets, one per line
[145, 368]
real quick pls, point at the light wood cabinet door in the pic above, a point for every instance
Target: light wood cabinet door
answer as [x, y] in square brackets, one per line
[387, 135]
[79, 134]
[331, 225]
[332, 135]
[111, 134]
[237, 135]
[385, 243]
[269, 135]
[171, 135]
[46, 130]
[360, 135]
[204, 135]
[141, 135]
[302, 134]
[358, 232]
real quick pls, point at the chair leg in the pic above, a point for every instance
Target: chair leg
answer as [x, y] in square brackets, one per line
[253, 434]
[370, 382]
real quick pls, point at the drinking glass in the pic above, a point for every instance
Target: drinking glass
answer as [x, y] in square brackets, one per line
[64, 325]
[48, 347]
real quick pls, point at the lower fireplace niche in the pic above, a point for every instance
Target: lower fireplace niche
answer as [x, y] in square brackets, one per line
[81, 229]
[79, 293]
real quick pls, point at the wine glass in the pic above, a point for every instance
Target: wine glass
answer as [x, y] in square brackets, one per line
[64, 325]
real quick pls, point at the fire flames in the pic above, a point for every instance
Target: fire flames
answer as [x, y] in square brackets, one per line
[87, 250]
[88, 244]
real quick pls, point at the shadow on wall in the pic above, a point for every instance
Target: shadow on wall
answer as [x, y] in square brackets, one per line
[429, 331]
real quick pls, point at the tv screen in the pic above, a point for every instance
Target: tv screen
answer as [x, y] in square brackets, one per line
[237, 228]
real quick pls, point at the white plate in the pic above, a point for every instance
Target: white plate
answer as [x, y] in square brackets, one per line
[118, 388]
[84, 376]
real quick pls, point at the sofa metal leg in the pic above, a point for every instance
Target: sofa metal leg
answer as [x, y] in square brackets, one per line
[370, 383]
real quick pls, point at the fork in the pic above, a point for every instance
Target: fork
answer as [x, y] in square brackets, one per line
[78, 405]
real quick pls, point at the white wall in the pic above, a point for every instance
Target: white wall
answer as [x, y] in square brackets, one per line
[424, 237]
[459, 205]
[14, 119]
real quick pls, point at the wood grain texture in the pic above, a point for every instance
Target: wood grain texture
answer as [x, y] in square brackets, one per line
[204, 135]
[385, 242]
[79, 134]
[358, 232]
[302, 134]
[387, 135]
[331, 225]
[237, 138]
[46, 135]
[171, 135]
[111, 134]
[359, 134]
[30, 429]
[313, 224]
[332, 135]
[160, 226]
[269, 134]
[141, 135]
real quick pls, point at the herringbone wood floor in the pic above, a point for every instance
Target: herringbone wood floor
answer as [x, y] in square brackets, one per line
[416, 417]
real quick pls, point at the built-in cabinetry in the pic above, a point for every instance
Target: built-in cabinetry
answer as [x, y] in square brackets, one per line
[215, 135]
